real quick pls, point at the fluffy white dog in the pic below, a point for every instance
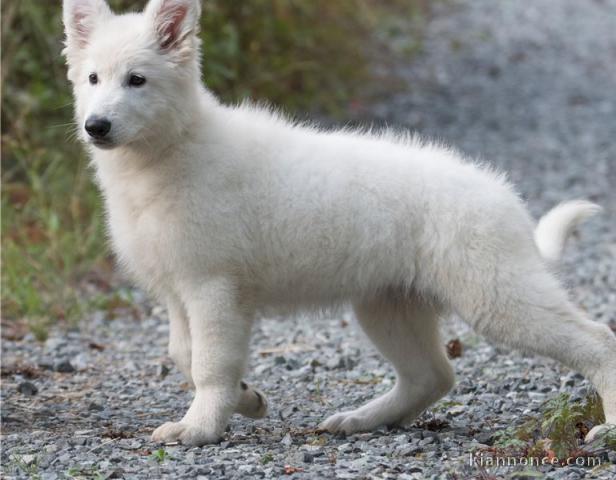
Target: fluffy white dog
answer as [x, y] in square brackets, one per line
[222, 211]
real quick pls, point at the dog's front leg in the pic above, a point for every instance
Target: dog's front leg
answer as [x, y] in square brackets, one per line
[220, 332]
[252, 402]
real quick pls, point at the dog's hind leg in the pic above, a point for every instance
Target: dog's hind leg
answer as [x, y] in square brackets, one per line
[252, 403]
[405, 331]
[526, 308]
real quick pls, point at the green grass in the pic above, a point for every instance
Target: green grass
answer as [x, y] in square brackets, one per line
[267, 458]
[52, 230]
[52, 235]
[84, 473]
[18, 465]
[304, 56]
[559, 431]
[160, 455]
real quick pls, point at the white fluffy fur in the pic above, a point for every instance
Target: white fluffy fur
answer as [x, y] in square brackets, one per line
[555, 227]
[222, 211]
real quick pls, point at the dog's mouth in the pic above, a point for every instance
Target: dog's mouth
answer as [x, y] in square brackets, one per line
[103, 144]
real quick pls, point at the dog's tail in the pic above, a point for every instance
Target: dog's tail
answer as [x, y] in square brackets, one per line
[554, 227]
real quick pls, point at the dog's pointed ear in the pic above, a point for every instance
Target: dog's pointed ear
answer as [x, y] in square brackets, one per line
[174, 21]
[80, 18]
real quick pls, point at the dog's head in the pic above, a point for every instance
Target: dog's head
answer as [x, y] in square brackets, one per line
[130, 73]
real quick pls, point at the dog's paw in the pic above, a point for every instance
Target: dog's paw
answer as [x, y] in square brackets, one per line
[601, 431]
[184, 433]
[253, 403]
[347, 423]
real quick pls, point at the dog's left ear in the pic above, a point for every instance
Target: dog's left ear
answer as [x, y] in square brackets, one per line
[174, 21]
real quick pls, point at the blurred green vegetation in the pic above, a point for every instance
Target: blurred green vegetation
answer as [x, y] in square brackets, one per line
[304, 55]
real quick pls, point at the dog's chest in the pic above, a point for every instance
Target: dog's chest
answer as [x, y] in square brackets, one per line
[139, 225]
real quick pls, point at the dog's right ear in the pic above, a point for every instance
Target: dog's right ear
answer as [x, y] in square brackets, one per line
[80, 18]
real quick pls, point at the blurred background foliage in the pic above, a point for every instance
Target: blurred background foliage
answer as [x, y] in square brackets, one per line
[314, 56]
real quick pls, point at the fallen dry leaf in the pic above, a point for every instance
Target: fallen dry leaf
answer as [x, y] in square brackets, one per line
[20, 368]
[289, 470]
[96, 346]
[454, 348]
[18, 194]
[14, 329]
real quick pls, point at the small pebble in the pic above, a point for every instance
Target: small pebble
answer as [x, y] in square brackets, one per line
[27, 388]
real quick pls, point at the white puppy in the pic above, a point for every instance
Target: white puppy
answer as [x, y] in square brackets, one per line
[222, 211]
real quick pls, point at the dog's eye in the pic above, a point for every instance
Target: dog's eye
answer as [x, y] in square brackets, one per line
[93, 78]
[136, 80]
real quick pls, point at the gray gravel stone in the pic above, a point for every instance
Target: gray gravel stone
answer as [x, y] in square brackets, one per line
[65, 366]
[27, 388]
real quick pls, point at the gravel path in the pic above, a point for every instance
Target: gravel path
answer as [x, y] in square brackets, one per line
[528, 86]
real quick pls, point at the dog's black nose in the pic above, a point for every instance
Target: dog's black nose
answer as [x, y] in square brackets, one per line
[98, 127]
